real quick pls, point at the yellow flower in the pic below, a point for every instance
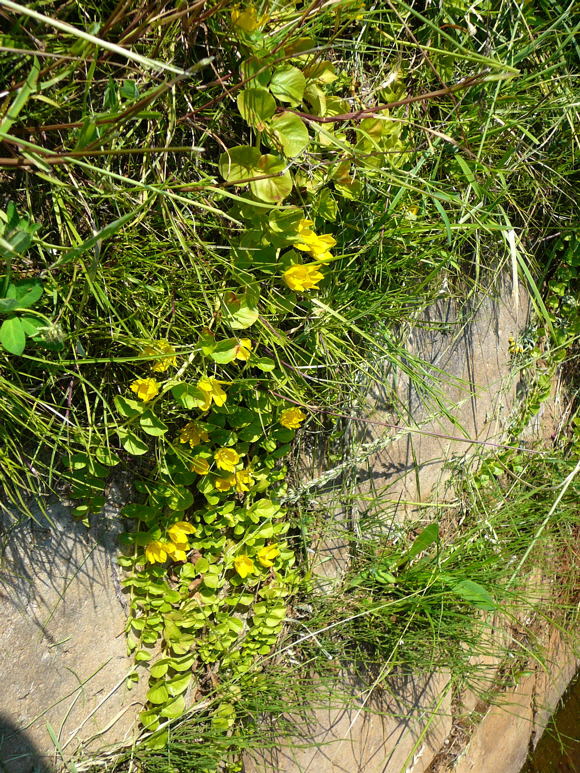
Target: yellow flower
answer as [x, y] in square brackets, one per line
[243, 481]
[178, 550]
[212, 392]
[226, 459]
[268, 554]
[200, 465]
[161, 347]
[304, 226]
[225, 483]
[157, 552]
[292, 418]
[247, 19]
[193, 434]
[303, 277]
[244, 566]
[179, 531]
[145, 388]
[243, 350]
[318, 246]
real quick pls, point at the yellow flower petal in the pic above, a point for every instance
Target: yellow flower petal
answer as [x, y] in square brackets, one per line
[145, 389]
[193, 434]
[200, 465]
[179, 531]
[268, 554]
[292, 418]
[163, 347]
[226, 459]
[303, 277]
[244, 566]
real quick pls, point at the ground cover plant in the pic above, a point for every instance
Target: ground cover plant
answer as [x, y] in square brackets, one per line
[217, 219]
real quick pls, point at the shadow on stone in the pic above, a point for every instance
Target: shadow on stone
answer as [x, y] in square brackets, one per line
[17, 752]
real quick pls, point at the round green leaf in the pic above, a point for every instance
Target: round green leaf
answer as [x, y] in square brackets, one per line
[131, 443]
[256, 106]
[152, 425]
[291, 133]
[244, 317]
[158, 693]
[127, 407]
[225, 351]
[178, 684]
[26, 292]
[327, 206]
[239, 163]
[12, 336]
[288, 84]
[254, 71]
[188, 396]
[106, 456]
[180, 499]
[277, 184]
[264, 363]
[174, 709]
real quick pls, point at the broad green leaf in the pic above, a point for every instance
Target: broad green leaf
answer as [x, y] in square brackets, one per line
[160, 668]
[211, 581]
[79, 461]
[131, 443]
[129, 90]
[474, 593]
[152, 425]
[239, 163]
[174, 709]
[316, 98]
[180, 499]
[323, 72]
[140, 512]
[158, 693]
[201, 565]
[327, 206]
[277, 183]
[256, 106]
[26, 291]
[178, 684]
[188, 396]
[255, 72]
[291, 133]
[427, 537]
[12, 336]
[106, 456]
[7, 305]
[288, 84]
[32, 326]
[264, 508]
[244, 317]
[225, 351]
[264, 363]
[298, 48]
[285, 221]
[128, 407]
[157, 741]
[149, 720]
[240, 311]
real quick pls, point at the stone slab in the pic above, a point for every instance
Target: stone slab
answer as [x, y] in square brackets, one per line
[63, 656]
[401, 731]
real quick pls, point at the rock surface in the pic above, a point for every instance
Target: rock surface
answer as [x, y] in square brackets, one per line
[62, 648]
